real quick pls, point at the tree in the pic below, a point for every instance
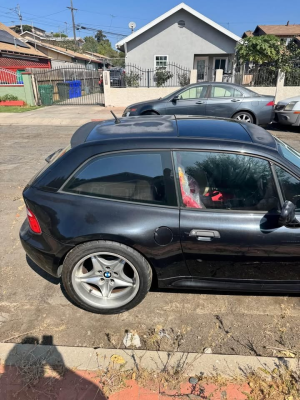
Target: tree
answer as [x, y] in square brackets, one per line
[90, 44]
[27, 28]
[59, 34]
[104, 48]
[268, 49]
[100, 37]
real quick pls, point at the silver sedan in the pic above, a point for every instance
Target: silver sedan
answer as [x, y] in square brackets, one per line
[288, 111]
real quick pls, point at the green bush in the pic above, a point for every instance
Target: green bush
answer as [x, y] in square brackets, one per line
[132, 79]
[162, 76]
[8, 97]
[184, 79]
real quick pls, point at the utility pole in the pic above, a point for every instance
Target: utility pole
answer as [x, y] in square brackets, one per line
[73, 21]
[18, 12]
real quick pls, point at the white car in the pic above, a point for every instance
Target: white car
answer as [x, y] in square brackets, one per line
[287, 112]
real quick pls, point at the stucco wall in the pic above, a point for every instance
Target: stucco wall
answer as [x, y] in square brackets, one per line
[123, 97]
[282, 93]
[180, 44]
[18, 91]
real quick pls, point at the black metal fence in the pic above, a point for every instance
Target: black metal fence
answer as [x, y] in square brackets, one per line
[292, 77]
[170, 75]
[263, 76]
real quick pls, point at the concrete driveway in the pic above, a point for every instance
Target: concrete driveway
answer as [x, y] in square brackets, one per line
[33, 304]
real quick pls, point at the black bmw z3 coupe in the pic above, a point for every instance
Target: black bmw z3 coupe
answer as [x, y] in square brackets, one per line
[185, 202]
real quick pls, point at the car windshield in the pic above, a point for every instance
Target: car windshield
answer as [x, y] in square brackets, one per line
[288, 152]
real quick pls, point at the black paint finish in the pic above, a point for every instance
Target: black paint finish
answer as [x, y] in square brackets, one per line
[252, 250]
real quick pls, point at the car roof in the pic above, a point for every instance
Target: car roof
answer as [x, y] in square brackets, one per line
[173, 126]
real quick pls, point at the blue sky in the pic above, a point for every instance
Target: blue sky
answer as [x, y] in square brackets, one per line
[114, 16]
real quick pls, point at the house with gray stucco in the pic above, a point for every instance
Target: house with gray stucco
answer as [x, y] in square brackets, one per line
[185, 37]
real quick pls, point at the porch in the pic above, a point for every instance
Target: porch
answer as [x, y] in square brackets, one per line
[207, 64]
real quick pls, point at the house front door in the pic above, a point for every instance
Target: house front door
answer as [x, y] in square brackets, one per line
[201, 65]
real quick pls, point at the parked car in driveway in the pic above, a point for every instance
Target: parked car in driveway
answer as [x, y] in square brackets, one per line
[287, 112]
[187, 202]
[117, 77]
[215, 99]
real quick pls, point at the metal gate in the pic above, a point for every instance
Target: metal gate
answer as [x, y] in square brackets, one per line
[69, 86]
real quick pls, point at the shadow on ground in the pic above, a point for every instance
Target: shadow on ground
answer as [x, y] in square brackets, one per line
[37, 374]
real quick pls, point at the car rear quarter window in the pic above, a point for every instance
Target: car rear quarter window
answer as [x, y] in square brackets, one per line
[136, 177]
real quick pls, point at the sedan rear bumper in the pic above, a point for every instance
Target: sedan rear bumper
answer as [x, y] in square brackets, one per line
[288, 118]
[45, 251]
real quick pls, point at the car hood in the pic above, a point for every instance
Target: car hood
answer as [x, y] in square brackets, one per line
[143, 103]
[287, 101]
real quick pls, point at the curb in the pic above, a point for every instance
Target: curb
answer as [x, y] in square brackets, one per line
[94, 359]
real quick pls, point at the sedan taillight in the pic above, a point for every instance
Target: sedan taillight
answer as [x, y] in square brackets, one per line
[271, 103]
[33, 222]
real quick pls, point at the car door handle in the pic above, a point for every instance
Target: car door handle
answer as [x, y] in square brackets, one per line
[200, 102]
[235, 100]
[204, 235]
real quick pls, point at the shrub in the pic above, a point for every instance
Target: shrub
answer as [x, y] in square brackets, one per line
[183, 79]
[8, 97]
[132, 79]
[162, 76]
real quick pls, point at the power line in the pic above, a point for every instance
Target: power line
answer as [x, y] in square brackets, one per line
[17, 11]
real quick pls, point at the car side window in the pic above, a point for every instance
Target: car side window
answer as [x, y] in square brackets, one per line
[139, 177]
[211, 180]
[290, 186]
[222, 91]
[237, 93]
[193, 93]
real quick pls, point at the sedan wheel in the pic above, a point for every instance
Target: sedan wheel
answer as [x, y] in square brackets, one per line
[243, 117]
[109, 281]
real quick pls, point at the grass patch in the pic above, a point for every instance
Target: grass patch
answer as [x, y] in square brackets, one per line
[17, 109]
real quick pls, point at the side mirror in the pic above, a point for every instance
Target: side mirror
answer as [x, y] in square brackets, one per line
[175, 98]
[287, 214]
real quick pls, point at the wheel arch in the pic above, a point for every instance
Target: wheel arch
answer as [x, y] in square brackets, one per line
[255, 120]
[147, 111]
[115, 240]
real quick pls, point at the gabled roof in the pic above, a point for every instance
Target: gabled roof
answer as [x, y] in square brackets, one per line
[61, 50]
[181, 6]
[247, 34]
[280, 30]
[11, 48]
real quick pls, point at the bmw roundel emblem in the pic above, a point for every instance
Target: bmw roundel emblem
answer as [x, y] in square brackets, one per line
[107, 274]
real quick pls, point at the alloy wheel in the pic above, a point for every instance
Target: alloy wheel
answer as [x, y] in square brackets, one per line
[105, 280]
[244, 118]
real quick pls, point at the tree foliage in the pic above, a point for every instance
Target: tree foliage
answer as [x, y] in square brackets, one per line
[101, 45]
[59, 34]
[268, 49]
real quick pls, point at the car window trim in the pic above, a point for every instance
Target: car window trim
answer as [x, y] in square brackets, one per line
[277, 185]
[61, 189]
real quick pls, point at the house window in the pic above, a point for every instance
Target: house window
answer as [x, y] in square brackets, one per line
[221, 63]
[161, 61]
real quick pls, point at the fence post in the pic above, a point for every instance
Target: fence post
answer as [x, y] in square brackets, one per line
[26, 76]
[148, 78]
[279, 86]
[106, 87]
[193, 76]
[219, 75]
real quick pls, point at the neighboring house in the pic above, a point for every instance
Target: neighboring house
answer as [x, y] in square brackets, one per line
[48, 38]
[16, 56]
[98, 56]
[34, 29]
[185, 37]
[61, 57]
[284, 32]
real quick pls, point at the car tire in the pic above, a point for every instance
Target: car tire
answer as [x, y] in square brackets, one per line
[150, 113]
[91, 295]
[244, 116]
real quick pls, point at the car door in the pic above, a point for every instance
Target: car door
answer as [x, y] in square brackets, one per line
[191, 101]
[223, 101]
[229, 219]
